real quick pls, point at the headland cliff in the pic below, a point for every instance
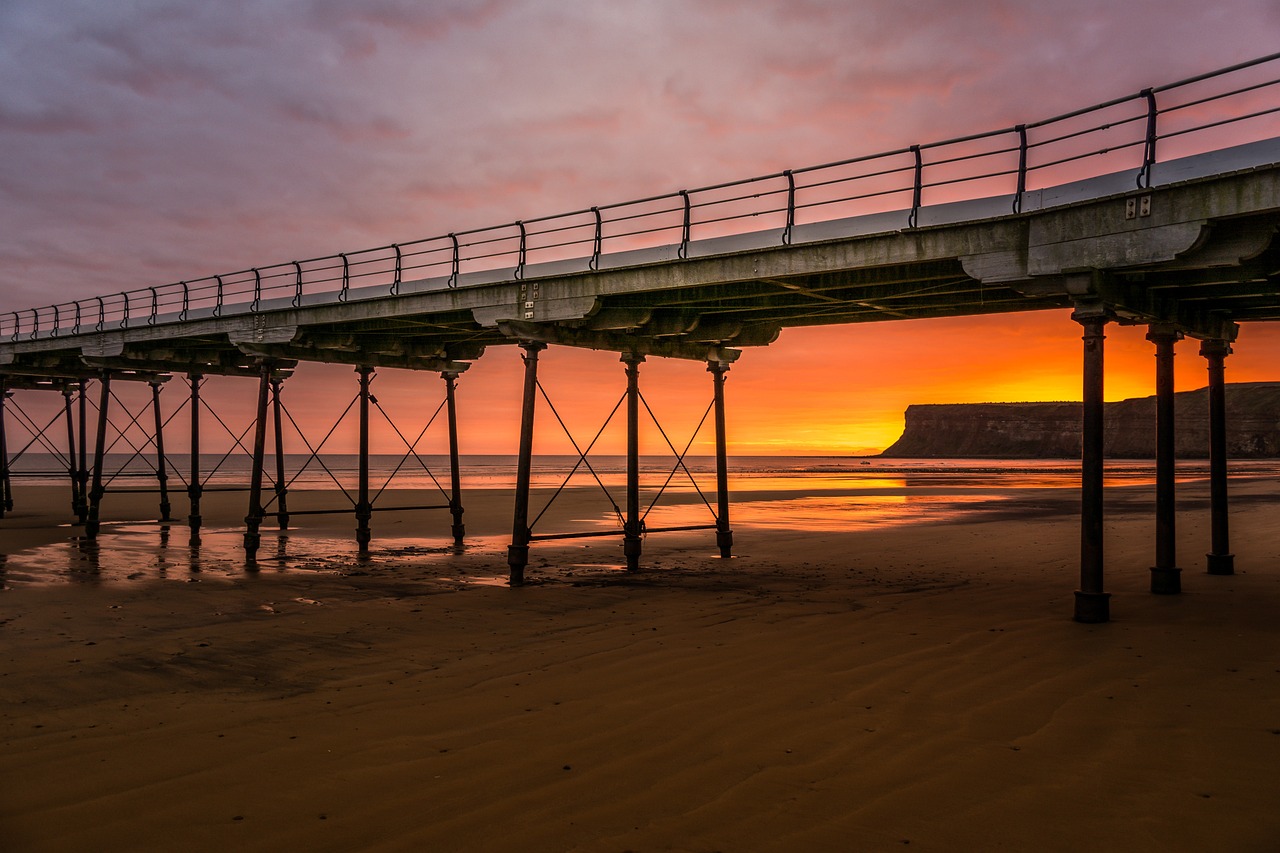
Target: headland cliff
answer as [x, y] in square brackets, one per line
[1052, 430]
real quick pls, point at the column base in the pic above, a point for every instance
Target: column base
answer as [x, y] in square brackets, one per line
[1222, 564]
[724, 540]
[1092, 607]
[517, 559]
[631, 547]
[1166, 581]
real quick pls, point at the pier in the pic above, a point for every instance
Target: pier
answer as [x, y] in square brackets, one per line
[1158, 209]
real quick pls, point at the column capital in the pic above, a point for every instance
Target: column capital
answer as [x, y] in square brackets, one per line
[630, 358]
[1091, 311]
[1215, 347]
[1163, 333]
[532, 346]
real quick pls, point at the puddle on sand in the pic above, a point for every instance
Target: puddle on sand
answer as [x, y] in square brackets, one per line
[132, 552]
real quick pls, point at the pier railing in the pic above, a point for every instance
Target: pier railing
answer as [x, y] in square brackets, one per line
[1215, 110]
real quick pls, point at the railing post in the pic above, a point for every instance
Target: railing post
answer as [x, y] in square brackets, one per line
[455, 480]
[518, 551]
[162, 475]
[1149, 147]
[631, 536]
[1022, 167]
[917, 191]
[724, 534]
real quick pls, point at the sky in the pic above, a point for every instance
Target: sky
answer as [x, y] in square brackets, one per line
[150, 141]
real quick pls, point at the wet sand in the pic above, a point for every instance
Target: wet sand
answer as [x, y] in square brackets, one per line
[910, 683]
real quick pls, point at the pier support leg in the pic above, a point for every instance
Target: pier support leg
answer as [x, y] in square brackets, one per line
[455, 479]
[162, 474]
[282, 491]
[195, 490]
[1166, 577]
[631, 541]
[724, 534]
[518, 551]
[68, 392]
[253, 521]
[364, 511]
[96, 491]
[1092, 602]
[1221, 560]
[82, 511]
[6, 486]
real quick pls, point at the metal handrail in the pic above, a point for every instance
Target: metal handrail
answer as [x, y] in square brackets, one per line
[854, 183]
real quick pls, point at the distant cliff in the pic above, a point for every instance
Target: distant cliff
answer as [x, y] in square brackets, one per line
[1052, 430]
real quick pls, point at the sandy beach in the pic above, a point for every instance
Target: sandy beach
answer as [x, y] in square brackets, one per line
[914, 684]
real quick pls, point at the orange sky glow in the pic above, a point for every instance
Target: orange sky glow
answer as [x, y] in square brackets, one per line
[148, 149]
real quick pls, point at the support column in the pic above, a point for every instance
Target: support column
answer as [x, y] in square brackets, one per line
[1166, 577]
[1221, 560]
[91, 523]
[195, 490]
[6, 492]
[724, 534]
[364, 511]
[67, 393]
[455, 479]
[518, 551]
[282, 490]
[631, 542]
[162, 474]
[253, 521]
[1092, 602]
[82, 511]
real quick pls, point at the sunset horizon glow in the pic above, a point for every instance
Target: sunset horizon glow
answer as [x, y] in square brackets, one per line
[148, 149]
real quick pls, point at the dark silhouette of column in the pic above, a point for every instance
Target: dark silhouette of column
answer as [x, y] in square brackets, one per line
[631, 541]
[455, 478]
[1166, 577]
[96, 491]
[253, 521]
[6, 493]
[518, 551]
[1092, 603]
[1221, 560]
[195, 490]
[67, 393]
[724, 534]
[162, 474]
[82, 512]
[364, 510]
[282, 490]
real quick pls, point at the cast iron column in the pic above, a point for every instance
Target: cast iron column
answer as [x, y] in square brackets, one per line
[364, 511]
[1221, 560]
[253, 521]
[91, 524]
[455, 497]
[1165, 574]
[6, 498]
[82, 512]
[724, 535]
[631, 542]
[67, 393]
[194, 489]
[1092, 603]
[162, 475]
[518, 551]
[282, 491]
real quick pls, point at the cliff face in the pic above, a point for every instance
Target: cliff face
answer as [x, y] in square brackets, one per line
[1052, 430]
